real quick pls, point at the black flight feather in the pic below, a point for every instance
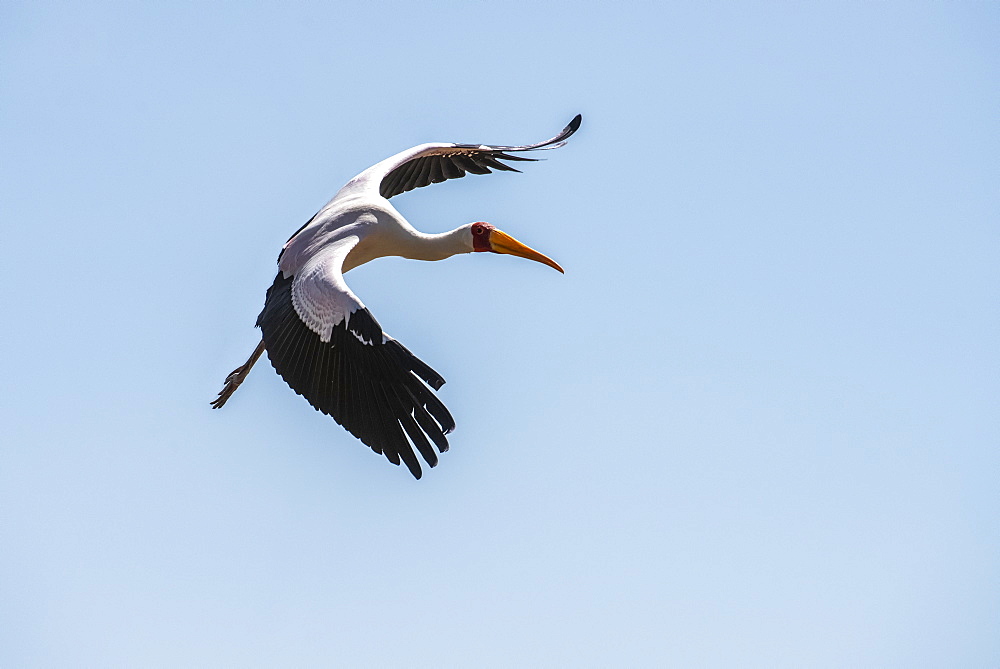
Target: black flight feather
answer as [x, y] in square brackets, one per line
[373, 386]
[456, 161]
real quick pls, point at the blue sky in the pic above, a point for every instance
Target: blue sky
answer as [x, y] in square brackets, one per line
[755, 424]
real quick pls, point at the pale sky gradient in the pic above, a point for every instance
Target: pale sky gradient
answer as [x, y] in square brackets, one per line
[755, 424]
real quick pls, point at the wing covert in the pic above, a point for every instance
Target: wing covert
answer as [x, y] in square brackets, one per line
[329, 348]
[433, 163]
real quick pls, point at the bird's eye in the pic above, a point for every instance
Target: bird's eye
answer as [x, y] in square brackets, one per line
[478, 230]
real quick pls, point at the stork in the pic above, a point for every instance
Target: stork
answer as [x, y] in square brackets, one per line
[322, 340]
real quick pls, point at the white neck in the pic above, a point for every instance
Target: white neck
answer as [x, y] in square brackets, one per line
[423, 246]
[404, 241]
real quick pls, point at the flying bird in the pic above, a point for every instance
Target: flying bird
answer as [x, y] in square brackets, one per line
[318, 334]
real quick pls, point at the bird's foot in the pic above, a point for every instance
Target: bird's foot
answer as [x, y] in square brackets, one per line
[235, 378]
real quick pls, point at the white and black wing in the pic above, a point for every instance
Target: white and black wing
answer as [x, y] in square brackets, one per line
[327, 346]
[433, 163]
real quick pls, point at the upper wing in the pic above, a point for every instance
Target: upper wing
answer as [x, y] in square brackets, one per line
[327, 346]
[434, 163]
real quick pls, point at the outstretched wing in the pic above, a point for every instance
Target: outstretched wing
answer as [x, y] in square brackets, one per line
[434, 163]
[327, 346]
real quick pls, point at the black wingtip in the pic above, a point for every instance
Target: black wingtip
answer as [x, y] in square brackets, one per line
[560, 139]
[567, 132]
[554, 143]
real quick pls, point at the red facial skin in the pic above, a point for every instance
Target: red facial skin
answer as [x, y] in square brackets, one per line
[481, 236]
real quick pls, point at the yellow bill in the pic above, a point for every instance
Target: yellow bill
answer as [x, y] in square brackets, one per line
[501, 242]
